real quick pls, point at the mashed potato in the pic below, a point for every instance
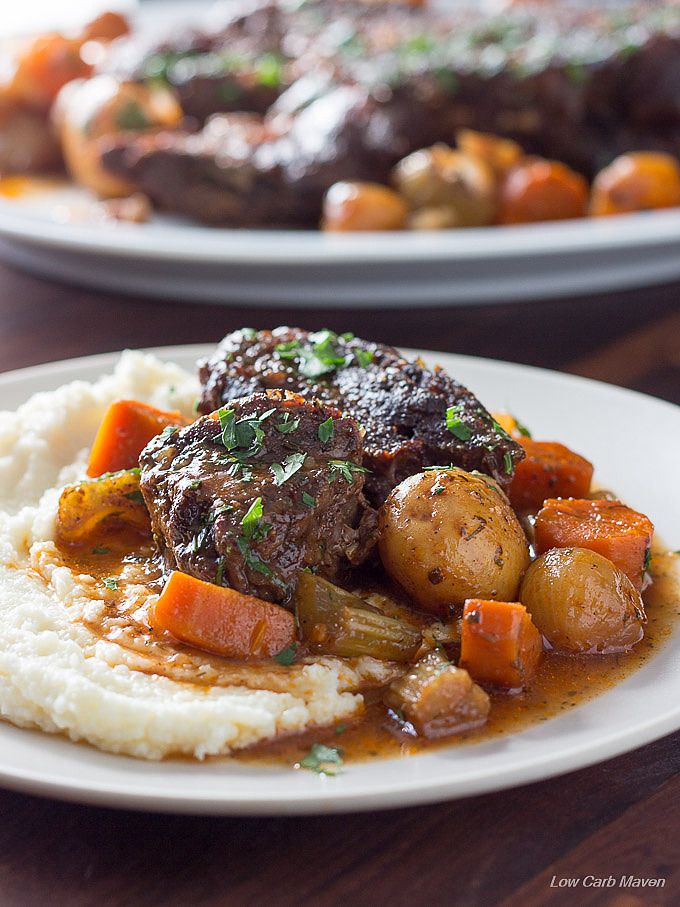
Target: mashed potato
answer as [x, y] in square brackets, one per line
[57, 674]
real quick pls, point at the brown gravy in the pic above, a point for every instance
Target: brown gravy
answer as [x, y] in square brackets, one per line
[562, 682]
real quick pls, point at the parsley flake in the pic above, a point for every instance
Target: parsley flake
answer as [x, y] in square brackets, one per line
[323, 759]
[111, 583]
[220, 572]
[455, 424]
[323, 354]
[344, 468]
[507, 462]
[253, 525]
[286, 656]
[168, 432]
[308, 500]
[283, 471]
[326, 430]
[242, 437]
[288, 425]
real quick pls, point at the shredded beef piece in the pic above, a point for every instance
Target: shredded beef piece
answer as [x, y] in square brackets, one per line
[412, 417]
[250, 496]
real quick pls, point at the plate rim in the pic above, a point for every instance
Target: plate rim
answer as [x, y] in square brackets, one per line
[167, 239]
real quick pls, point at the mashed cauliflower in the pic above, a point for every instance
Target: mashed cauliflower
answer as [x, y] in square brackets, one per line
[56, 673]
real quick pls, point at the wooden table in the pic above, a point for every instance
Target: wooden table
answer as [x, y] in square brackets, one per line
[620, 817]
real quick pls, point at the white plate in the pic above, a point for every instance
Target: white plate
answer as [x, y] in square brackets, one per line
[172, 258]
[632, 439]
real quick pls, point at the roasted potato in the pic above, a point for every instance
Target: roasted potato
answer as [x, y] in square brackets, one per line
[582, 603]
[447, 535]
[88, 112]
[446, 188]
[351, 206]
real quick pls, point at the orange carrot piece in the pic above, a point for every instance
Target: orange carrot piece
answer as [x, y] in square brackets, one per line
[222, 620]
[44, 67]
[499, 643]
[608, 527]
[549, 470]
[126, 429]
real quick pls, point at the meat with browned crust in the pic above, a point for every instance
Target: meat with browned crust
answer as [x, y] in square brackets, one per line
[357, 86]
[250, 496]
[413, 417]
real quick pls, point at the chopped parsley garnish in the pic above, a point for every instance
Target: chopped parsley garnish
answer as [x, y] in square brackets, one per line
[268, 70]
[207, 521]
[253, 525]
[326, 430]
[252, 560]
[507, 462]
[522, 429]
[344, 468]
[254, 528]
[499, 428]
[249, 333]
[242, 437]
[288, 425]
[135, 496]
[100, 549]
[111, 583]
[220, 572]
[134, 471]
[168, 432]
[287, 655]
[455, 424]
[324, 355]
[363, 357]
[308, 500]
[131, 116]
[283, 471]
[323, 759]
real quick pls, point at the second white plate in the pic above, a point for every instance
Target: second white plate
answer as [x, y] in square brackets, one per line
[171, 258]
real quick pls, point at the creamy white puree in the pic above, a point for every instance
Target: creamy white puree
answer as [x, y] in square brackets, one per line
[57, 675]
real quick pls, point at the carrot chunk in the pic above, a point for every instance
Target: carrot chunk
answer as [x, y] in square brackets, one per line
[222, 620]
[549, 470]
[618, 533]
[126, 429]
[499, 643]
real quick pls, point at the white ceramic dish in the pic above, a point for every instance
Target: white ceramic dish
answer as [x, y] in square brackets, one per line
[170, 258]
[633, 441]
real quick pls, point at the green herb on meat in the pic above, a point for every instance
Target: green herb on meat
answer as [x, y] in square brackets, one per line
[344, 468]
[326, 430]
[455, 424]
[283, 471]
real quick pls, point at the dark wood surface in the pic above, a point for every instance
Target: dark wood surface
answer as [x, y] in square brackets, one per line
[618, 818]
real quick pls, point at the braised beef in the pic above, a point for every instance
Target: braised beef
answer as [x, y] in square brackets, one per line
[577, 85]
[249, 496]
[412, 416]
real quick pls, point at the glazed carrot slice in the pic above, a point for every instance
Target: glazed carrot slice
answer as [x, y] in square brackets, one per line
[608, 527]
[126, 429]
[549, 470]
[499, 643]
[222, 620]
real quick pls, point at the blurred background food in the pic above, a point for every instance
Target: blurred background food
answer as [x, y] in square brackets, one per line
[350, 115]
